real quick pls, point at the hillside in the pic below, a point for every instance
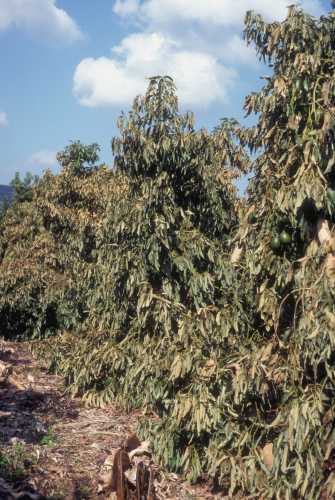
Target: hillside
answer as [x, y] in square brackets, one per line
[5, 192]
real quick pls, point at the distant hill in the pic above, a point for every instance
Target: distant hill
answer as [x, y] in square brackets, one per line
[6, 192]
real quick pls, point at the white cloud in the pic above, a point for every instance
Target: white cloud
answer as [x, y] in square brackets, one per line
[198, 42]
[3, 119]
[125, 8]
[236, 50]
[38, 16]
[214, 12]
[44, 159]
[200, 77]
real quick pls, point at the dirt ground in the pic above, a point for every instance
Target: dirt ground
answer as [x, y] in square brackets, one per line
[53, 447]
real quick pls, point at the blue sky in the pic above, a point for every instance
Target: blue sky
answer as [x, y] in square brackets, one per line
[68, 67]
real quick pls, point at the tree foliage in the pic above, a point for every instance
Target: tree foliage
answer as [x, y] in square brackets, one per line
[161, 311]
[78, 158]
[23, 188]
[47, 242]
[290, 197]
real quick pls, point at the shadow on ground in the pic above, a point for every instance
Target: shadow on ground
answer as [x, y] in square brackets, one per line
[26, 413]
[29, 407]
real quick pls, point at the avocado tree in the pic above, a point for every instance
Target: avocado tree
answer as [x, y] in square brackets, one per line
[163, 309]
[81, 159]
[287, 235]
[47, 244]
[23, 188]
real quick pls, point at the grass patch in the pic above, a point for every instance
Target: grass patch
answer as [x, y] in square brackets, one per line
[49, 439]
[15, 462]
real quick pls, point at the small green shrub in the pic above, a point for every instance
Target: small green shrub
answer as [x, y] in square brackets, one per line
[49, 439]
[15, 462]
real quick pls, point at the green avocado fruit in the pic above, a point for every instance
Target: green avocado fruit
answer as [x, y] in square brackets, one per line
[275, 243]
[284, 221]
[252, 219]
[331, 196]
[285, 238]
